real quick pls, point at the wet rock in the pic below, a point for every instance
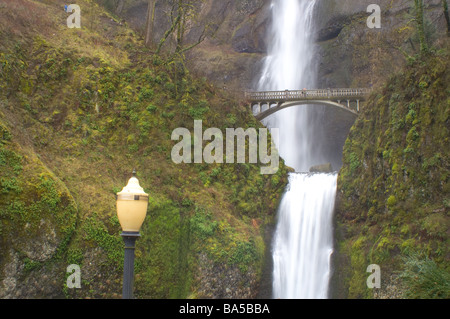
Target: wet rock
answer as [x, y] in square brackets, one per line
[219, 280]
[323, 168]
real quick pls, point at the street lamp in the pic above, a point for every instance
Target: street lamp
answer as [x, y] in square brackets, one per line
[132, 204]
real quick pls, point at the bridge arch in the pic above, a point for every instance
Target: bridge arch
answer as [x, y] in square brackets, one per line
[280, 106]
[289, 98]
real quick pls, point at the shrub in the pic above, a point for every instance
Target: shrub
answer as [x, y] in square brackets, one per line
[203, 225]
[391, 201]
[425, 279]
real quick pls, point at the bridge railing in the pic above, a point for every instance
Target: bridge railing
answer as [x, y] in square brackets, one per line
[306, 94]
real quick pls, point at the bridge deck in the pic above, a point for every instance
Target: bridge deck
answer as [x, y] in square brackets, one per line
[269, 102]
[299, 95]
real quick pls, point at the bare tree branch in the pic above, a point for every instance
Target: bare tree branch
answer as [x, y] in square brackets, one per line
[183, 16]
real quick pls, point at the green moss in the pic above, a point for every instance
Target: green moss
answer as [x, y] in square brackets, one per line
[435, 225]
[33, 204]
[358, 263]
[164, 272]
[244, 255]
[88, 117]
[391, 201]
[404, 184]
[30, 265]
[202, 225]
[354, 162]
[112, 244]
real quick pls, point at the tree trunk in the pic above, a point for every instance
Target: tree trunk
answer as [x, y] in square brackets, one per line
[420, 26]
[447, 18]
[180, 31]
[119, 6]
[150, 22]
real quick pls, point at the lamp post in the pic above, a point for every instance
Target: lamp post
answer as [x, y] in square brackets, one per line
[132, 204]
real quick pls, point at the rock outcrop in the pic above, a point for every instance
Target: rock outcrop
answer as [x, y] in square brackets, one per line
[322, 168]
[348, 52]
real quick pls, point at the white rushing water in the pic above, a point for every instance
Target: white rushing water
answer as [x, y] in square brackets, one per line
[289, 66]
[303, 241]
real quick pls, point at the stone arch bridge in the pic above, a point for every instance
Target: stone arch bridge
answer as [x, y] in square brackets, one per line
[266, 103]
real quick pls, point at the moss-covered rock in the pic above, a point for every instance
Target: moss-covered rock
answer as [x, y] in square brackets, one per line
[394, 185]
[38, 217]
[78, 112]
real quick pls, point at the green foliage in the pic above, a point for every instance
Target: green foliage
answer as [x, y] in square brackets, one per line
[425, 279]
[397, 203]
[202, 224]
[391, 201]
[112, 245]
[30, 265]
[358, 262]
[75, 256]
[354, 162]
[5, 135]
[49, 194]
[91, 111]
[165, 247]
[33, 204]
[435, 225]
[8, 185]
[151, 108]
[145, 94]
[244, 255]
[10, 159]
[198, 112]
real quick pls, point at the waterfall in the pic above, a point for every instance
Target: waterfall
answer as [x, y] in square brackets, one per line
[289, 66]
[303, 241]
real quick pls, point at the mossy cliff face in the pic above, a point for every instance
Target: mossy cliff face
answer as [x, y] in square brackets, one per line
[392, 205]
[79, 109]
[38, 218]
[393, 190]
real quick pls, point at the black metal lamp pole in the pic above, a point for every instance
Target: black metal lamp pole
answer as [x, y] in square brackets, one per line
[129, 239]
